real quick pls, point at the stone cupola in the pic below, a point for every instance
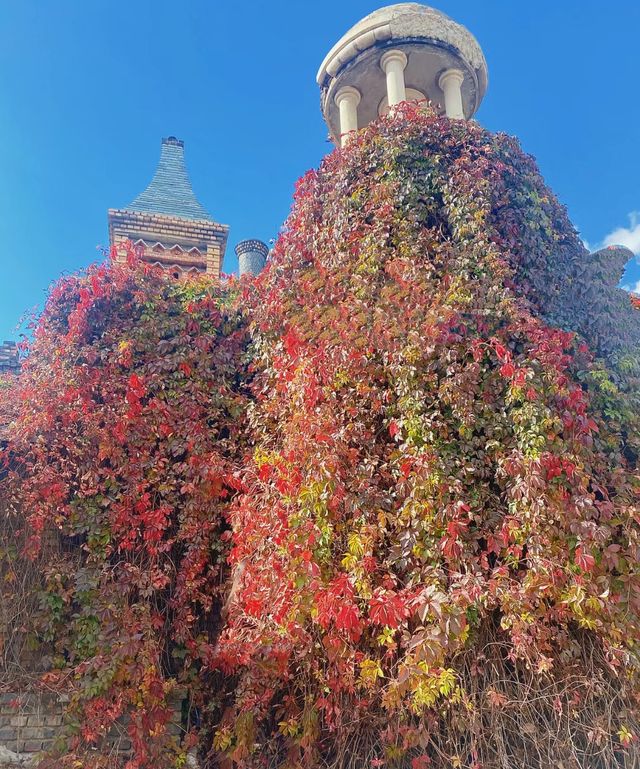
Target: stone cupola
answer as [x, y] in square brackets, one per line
[402, 52]
[167, 223]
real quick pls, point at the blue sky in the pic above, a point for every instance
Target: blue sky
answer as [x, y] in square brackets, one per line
[89, 87]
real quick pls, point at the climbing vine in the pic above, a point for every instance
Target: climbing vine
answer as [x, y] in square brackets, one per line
[123, 457]
[444, 485]
[380, 506]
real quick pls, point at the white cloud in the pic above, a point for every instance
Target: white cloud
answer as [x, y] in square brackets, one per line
[626, 236]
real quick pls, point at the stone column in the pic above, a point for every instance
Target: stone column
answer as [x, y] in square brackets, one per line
[451, 83]
[252, 255]
[393, 64]
[347, 100]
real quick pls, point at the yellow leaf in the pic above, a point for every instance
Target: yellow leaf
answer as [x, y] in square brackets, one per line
[355, 544]
[370, 671]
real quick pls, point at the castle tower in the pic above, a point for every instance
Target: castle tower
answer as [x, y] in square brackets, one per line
[166, 222]
[404, 52]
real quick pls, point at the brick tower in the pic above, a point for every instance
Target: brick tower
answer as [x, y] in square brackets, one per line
[167, 223]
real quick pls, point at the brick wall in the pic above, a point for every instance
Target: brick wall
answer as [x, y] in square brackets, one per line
[32, 724]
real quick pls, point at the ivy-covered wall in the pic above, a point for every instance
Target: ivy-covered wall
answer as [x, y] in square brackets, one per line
[380, 506]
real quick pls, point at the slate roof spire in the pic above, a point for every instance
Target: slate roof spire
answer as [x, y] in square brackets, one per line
[167, 224]
[170, 190]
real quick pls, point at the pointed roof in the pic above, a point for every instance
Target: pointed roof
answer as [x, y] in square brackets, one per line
[170, 190]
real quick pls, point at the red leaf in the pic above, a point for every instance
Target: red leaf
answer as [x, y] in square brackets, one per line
[507, 370]
[584, 560]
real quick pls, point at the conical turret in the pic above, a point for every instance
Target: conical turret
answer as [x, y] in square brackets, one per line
[167, 223]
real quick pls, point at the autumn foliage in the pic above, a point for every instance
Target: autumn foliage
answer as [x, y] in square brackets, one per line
[123, 457]
[380, 506]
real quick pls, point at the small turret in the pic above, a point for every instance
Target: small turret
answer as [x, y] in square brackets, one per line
[252, 256]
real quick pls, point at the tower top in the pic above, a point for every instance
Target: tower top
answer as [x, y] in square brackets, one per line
[170, 191]
[401, 52]
[167, 224]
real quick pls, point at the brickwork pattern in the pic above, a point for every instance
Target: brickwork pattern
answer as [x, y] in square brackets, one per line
[32, 724]
[171, 241]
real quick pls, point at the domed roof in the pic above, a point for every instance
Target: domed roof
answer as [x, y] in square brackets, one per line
[405, 21]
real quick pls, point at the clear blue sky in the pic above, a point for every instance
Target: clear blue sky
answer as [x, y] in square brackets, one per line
[89, 87]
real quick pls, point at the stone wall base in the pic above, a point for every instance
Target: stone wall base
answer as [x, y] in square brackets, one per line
[33, 724]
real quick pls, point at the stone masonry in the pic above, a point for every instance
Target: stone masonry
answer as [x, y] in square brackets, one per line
[34, 724]
[9, 358]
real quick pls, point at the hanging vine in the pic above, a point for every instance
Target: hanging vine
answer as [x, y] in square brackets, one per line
[379, 507]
